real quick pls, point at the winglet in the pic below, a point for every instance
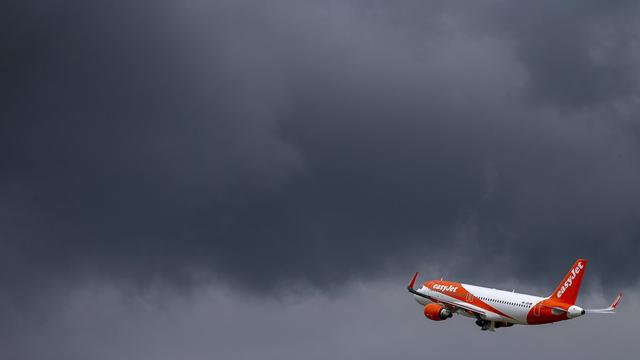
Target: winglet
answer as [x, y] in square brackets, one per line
[616, 301]
[413, 281]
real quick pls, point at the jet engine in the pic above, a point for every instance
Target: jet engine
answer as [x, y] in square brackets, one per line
[436, 312]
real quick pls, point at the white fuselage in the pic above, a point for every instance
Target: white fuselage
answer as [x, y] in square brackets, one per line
[514, 305]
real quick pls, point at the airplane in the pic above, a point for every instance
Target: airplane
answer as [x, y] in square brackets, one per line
[494, 308]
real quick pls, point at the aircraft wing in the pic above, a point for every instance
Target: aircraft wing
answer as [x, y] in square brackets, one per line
[451, 305]
[457, 305]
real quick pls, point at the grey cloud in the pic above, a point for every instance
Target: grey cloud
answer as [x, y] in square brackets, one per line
[304, 143]
[578, 54]
[373, 321]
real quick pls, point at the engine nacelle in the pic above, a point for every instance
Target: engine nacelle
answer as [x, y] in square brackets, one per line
[436, 312]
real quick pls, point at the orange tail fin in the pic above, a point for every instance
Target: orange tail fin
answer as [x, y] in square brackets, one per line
[567, 290]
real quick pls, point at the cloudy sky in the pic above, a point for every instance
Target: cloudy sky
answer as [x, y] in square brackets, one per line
[241, 179]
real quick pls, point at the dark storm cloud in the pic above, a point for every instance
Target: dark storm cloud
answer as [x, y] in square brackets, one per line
[577, 53]
[316, 143]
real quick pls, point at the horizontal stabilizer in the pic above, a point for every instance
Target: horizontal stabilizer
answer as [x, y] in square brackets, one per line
[610, 310]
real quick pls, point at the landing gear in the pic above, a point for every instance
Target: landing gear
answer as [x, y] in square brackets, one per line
[491, 325]
[486, 325]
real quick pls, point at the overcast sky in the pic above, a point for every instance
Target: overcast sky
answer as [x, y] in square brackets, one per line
[239, 179]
